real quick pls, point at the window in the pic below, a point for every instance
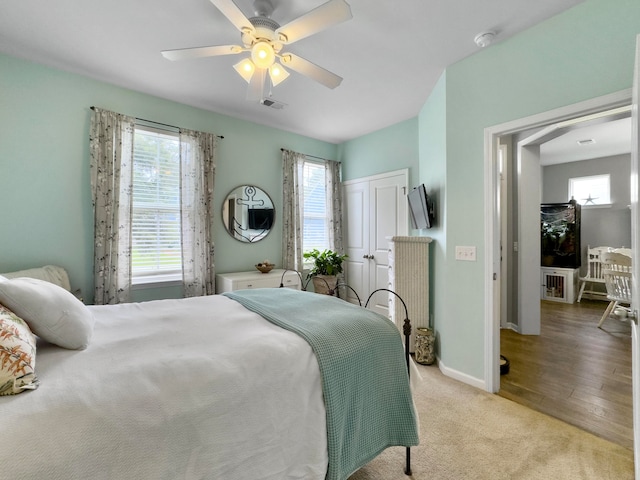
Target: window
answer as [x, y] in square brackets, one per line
[155, 232]
[590, 191]
[316, 212]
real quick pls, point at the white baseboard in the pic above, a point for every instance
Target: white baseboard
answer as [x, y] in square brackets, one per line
[462, 377]
[513, 326]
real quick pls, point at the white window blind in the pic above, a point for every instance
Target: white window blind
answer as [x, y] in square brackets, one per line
[156, 246]
[316, 213]
[592, 190]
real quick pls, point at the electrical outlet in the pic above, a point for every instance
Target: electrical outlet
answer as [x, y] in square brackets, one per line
[467, 254]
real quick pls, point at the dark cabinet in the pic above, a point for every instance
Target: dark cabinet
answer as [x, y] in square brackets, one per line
[560, 234]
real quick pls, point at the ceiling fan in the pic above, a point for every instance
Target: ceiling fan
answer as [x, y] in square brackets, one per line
[265, 39]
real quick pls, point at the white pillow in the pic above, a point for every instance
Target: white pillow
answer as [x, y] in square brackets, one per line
[51, 312]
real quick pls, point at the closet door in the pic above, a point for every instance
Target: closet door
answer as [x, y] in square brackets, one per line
[375, 209]
[355, 199]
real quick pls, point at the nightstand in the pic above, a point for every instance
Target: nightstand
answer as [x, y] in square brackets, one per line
[228, 282]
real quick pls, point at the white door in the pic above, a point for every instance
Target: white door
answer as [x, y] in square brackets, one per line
[635, 243]
[375, 208]
[355, 199]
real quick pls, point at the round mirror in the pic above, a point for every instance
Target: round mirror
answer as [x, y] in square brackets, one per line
[248, 213]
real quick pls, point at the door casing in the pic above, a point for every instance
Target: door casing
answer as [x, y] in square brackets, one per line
[492, 215]
[375, 208]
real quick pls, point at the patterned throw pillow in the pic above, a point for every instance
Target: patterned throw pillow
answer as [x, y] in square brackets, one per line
[17, 354]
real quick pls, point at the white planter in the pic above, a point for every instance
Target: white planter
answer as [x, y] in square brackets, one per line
[324, 283]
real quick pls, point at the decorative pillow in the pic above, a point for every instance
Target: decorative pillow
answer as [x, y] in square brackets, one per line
[50, 273]
[51, 312]
[17, 354]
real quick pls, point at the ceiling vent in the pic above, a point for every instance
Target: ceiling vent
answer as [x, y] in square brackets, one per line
[273, 103]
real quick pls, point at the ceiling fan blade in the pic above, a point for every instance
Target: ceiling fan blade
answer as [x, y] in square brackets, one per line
[318, 19]
[230, 10]
[311, 70]
[200, 52]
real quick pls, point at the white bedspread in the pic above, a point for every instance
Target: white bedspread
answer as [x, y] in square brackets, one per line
[198, 388]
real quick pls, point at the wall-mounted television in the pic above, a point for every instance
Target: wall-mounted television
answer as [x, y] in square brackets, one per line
[420, 208]
[260, 218]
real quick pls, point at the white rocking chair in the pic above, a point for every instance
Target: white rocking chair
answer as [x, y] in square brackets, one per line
[594, 273]
[617, 276]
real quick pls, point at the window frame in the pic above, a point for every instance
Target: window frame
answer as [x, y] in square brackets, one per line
[149, 278]
[584, 178]
[313, 215]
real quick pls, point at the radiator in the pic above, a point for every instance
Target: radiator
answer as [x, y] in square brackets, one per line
[409, 278]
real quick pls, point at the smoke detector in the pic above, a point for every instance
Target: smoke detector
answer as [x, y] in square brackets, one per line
[484, 39]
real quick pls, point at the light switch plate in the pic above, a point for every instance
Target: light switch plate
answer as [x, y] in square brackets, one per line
[467, 254]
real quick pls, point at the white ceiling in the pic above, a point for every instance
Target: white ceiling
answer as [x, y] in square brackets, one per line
[609, 139]
[390, 54]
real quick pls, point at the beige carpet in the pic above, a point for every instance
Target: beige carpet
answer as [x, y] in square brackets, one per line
[466, 433]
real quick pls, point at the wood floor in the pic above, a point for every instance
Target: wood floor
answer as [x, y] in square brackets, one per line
[574, 371]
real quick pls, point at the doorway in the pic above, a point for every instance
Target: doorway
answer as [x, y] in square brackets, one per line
[554, 148]
[525, 256]
[493, 218]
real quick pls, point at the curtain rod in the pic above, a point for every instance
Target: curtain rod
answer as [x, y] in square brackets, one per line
[157, 123]
[311, 156]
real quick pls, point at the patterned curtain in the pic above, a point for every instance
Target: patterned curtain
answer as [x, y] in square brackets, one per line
[197, 160]
[293, 203]
[111, 151]
[334, 198]
[292, 210]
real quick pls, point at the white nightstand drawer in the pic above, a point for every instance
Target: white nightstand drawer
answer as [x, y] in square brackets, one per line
[228, 282]
[255, 283]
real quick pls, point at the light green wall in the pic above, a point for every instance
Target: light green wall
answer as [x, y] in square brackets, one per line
[44, 168]
[433, 173]
[44, 177]
[585, 52]
[388, 149]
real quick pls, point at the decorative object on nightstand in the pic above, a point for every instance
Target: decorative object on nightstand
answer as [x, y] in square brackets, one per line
[265, 266]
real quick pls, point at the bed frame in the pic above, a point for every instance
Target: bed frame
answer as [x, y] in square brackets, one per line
[406, 331]
[406, 327]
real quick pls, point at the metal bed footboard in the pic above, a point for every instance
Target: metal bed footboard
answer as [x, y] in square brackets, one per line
[406, 330]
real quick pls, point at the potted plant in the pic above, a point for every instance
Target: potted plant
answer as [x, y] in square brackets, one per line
[327, 265]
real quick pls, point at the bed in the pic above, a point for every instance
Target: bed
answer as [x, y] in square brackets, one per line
[215, 387]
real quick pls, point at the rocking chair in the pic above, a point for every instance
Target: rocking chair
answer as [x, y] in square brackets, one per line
[617, 275]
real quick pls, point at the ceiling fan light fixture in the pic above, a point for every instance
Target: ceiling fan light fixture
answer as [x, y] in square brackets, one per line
[277, 73]
[262, 54]
[245, 68]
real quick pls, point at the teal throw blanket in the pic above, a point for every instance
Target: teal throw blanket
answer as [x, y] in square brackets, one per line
[364, 374]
